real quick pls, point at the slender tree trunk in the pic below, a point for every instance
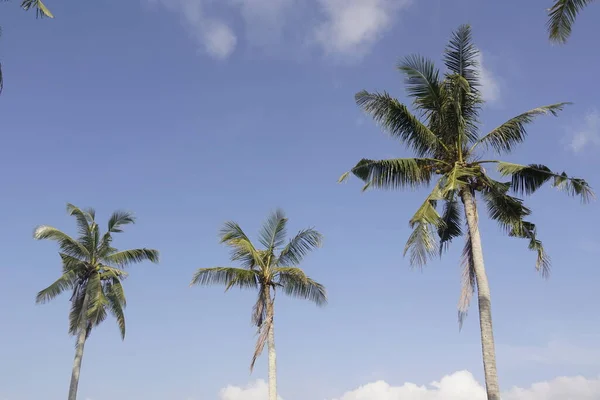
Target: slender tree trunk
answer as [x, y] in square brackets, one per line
[483, 299]
[81, 337]
[271, 346]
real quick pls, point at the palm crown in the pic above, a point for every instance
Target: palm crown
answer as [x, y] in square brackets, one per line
[92, 269]
[275, 267]
[449, 147]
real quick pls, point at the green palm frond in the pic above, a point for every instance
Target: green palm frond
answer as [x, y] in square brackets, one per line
[40, 8]
[450, 226]
[561, 17]
[527, 179]
[259, 310]
[528, 230]
[242, 248]
[118, 219]
[115, 295]
[272, 233]
[67, 244]
[423, 82]
[299, 246]
[127, 257]
[395, 173]
[67, 281]
[395, 118]
[294, 282]
[422, 243]
[76, 321]
[508, 211]
[73, 264]
[227, 276]
[457, 178]
[461, 55]
[512, 132]
[469, 282]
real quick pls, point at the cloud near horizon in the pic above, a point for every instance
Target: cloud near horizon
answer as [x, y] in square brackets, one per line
[460, 385]
[345, 29]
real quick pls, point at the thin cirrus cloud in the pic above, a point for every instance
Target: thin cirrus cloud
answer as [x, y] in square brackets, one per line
[460, 385]
[341, 28]
[586, 134]
[490, 87]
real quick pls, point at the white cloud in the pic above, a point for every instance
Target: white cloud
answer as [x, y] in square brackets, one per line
[490, 89]
[588, 134]
[351, 27]
[214, 36]
[457, 386]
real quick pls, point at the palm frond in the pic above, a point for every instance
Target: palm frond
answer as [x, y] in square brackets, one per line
[132, 256]
[469, 282]
[1, 79]
[395, 173]
[78, 311]
[422, 243]
[527, 179]
[294, 282]
[227, 276]
[461, 55]
[263, 334]
[73, 264]
[40, 8]
[561, 17]
[395, 118]
[450, 226]
[118, 219]
[96, 312]
[528, 230]
[67, 281]
[508, 211]
[422, 81]
[513, 132]
[242, 248]
[116, 302]
[259, 310]
[67, 244]
[299, 246]
[272, 233]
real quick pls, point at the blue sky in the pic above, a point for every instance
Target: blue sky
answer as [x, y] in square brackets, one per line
[193, 112]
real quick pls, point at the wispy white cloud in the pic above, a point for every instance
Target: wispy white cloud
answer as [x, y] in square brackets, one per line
[457, 386]
[351, 27]
[490, 87]
[586, 134]
[346, 28]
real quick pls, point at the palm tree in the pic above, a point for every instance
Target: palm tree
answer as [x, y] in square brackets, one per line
[449, 149]
[275, 267]
[562, 16]
[92, 270]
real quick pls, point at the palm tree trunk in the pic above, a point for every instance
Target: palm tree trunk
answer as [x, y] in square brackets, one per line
[271, 346]
[483, 299]
[81, 337]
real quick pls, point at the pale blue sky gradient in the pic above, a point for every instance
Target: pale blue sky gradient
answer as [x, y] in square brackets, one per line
[113, 105]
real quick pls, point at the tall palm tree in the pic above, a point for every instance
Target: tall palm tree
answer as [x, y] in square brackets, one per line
[275, 267]
[449, 151]
[92, 270]
[562, 16]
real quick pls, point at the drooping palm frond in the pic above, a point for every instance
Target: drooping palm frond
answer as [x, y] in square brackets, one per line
[67, 244]
[115, 295]
[78, 309]
[41, 10]
[527, 179]
[528, 230]
[469, 282]
[299, 246]
[272, 233]
[450, 226]
[263, 330]
[395, 173]
[395, 118]
[508, 211]
[294, 282]
[227, 276]
[422, 243]
[422, 82]
[513, 132]
[67, 281]
[118, 219]
[561, 17]
[242, 248]
[259, 310]
[1, 79]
